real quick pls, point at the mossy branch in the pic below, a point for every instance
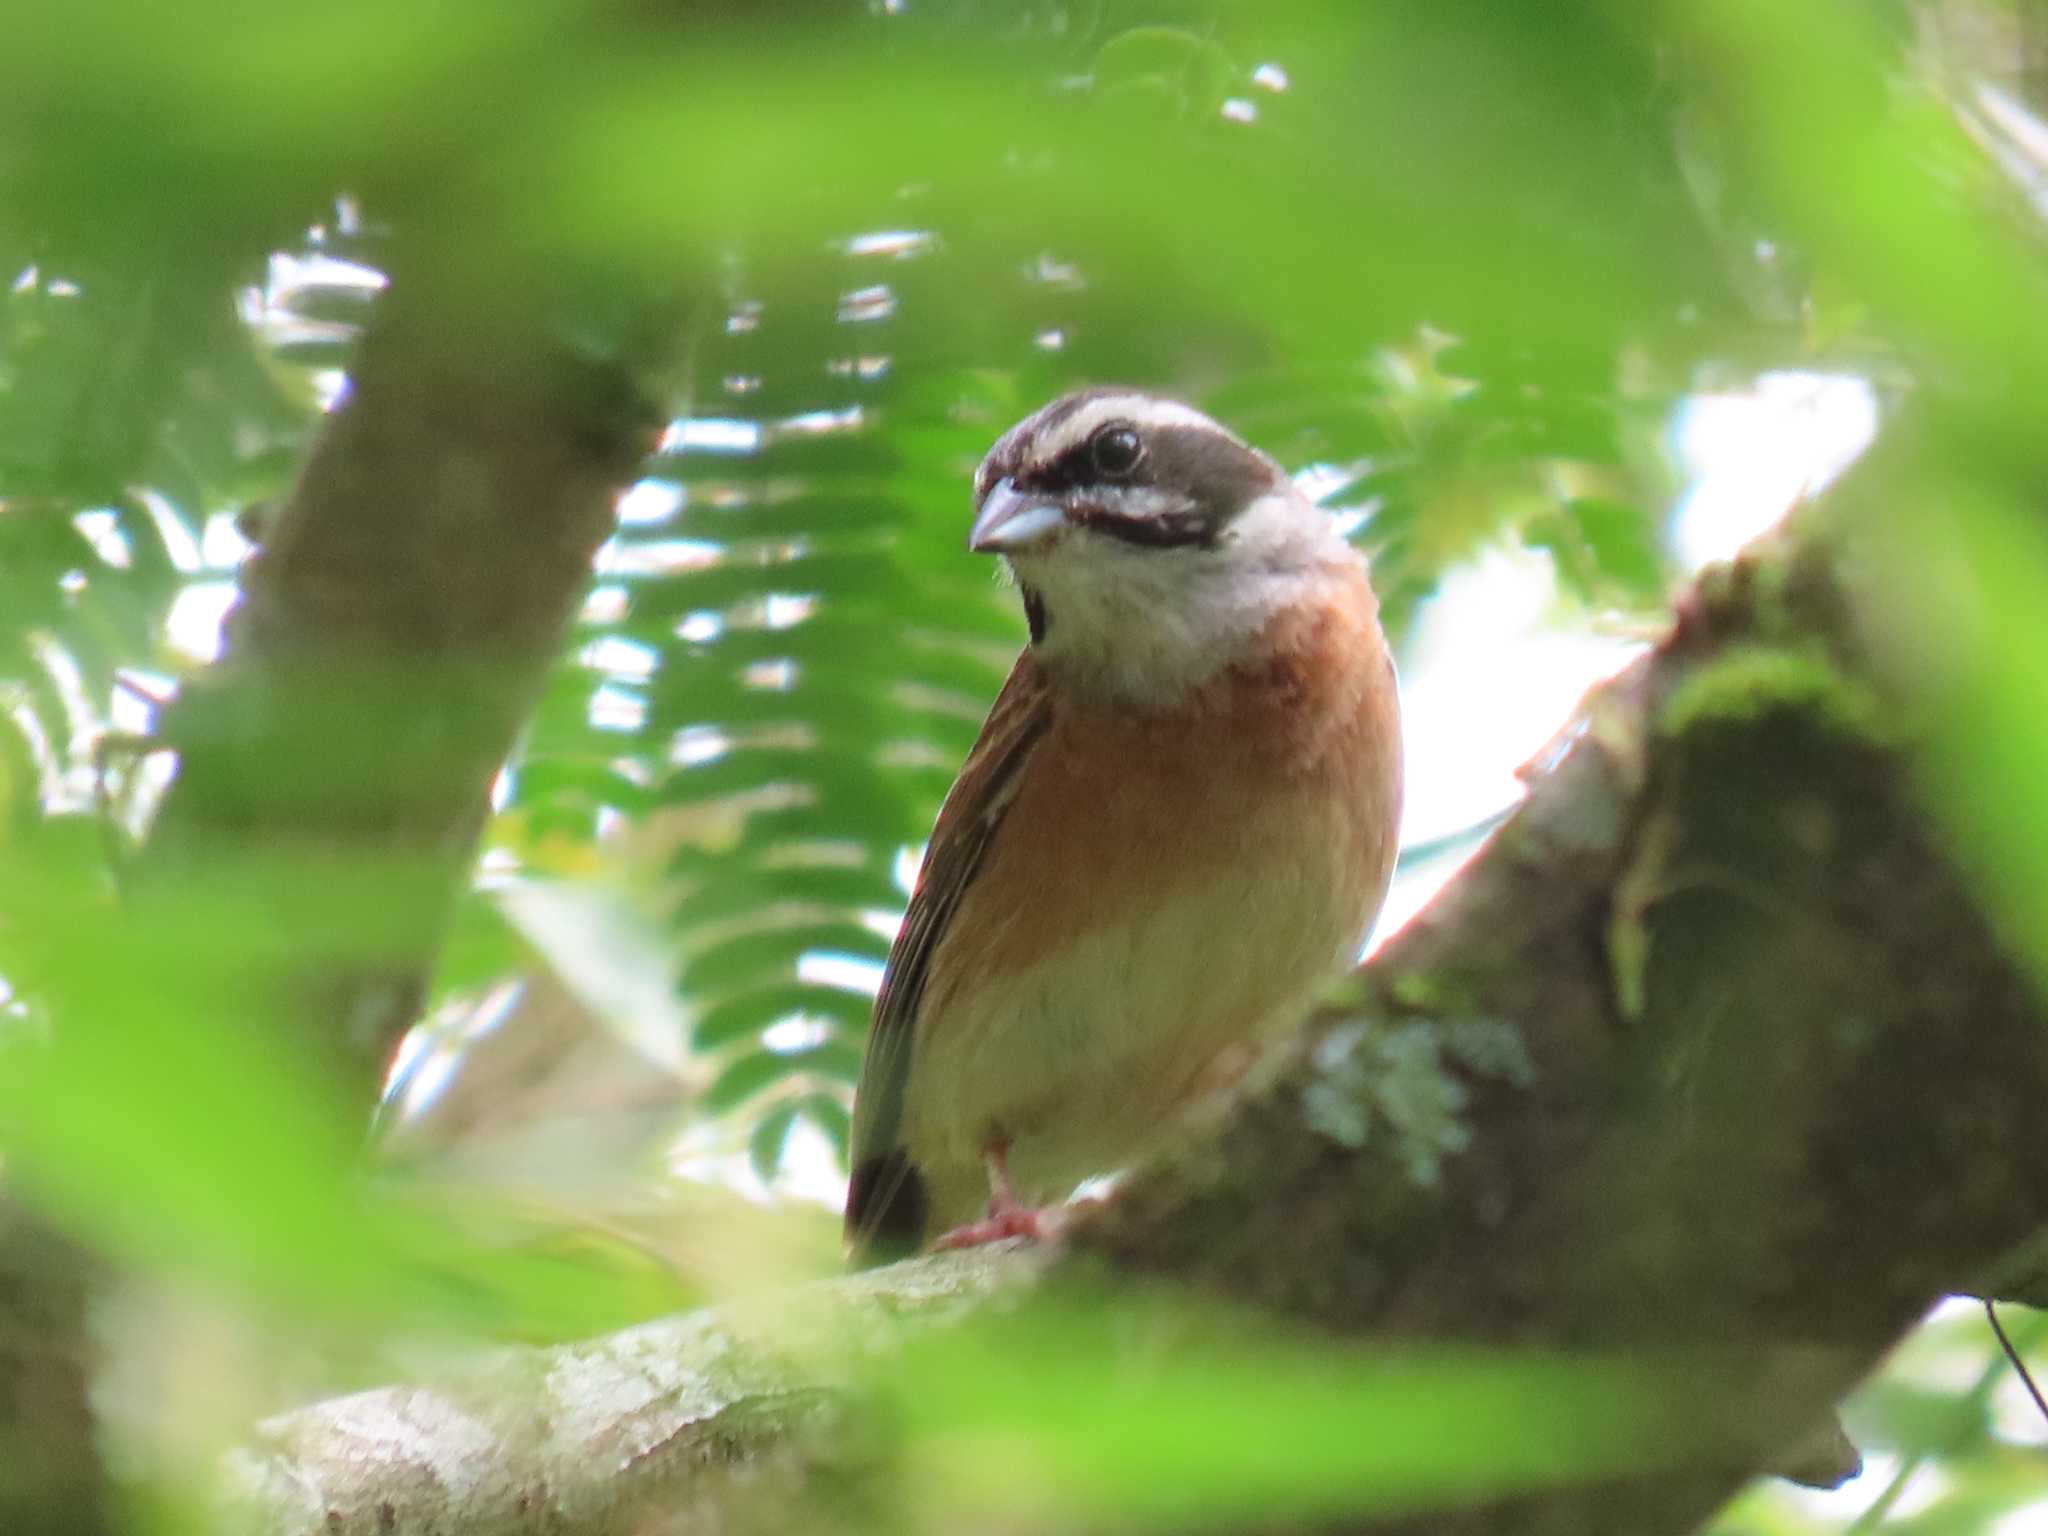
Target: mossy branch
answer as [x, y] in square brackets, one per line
[1707, 1049]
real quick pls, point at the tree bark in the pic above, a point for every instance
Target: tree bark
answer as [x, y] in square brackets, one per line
[728, 1420]
[50, 1476]
[1736, 1062]
[1708, 1050]
[392, 636]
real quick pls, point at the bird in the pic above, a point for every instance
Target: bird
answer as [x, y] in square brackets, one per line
[1178, 824]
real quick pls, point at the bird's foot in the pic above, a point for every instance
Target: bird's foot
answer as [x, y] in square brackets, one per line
[1006, 1218]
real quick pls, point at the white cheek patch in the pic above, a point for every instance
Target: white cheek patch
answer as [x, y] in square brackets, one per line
[1133, 500]
[1145, 625]
[1283, 531]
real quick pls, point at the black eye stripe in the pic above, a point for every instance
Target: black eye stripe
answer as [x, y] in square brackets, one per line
[1171, 530]
[1070, 471]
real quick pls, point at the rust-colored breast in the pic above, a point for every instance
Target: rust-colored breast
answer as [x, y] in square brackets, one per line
[1118, 811]
[1161, 892]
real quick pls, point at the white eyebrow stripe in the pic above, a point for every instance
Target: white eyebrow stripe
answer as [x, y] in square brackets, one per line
[1139, 410]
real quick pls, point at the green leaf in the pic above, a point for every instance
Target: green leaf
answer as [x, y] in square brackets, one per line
[765, 1143]
[1154, 1414]
[746, 1015]
[757, 1070]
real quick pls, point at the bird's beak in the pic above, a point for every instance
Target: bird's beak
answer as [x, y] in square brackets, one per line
[1011, 521]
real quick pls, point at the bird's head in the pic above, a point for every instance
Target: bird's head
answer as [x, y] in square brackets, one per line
[1153, 546]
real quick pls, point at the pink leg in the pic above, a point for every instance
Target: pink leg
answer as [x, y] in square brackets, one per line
[1007, 1216]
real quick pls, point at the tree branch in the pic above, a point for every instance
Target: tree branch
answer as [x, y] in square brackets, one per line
[50, 1472]
[1732, 1058]
[391, 639]
[1707, 1049]
[712, 1421]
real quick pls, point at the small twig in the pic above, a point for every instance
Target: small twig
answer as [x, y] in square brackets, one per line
[105, 749]
[1874, 1515]
[2019, 1365]
[136, 688]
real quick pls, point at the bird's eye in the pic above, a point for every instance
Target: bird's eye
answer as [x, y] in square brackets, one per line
[1116, 450]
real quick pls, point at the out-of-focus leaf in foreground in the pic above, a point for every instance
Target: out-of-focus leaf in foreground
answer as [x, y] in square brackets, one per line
[1155, 1413]
[161, 1119]
[1968, 628]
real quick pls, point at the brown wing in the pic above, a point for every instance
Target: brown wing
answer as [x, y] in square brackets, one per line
[885, 1201]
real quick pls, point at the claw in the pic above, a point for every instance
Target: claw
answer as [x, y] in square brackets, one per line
[1011, 1221]
[1007, 1215]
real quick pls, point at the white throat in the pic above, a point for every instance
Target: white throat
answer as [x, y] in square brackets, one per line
[1143, 627]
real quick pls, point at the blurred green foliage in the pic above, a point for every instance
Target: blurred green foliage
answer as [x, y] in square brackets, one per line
[1115, 1412]
[1453, 260]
